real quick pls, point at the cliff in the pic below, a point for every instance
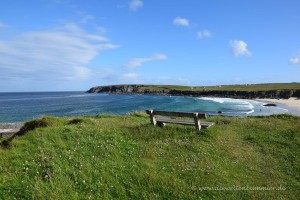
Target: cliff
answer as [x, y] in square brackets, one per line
[195, 91]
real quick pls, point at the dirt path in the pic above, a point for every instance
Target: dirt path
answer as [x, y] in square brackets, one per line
[10, 128]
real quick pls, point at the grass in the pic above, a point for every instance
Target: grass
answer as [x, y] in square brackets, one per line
[244, 87]
[257, 87]
[124, 157]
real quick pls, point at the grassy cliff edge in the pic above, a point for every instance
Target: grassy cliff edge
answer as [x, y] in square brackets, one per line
[275, 90]
[121, 157]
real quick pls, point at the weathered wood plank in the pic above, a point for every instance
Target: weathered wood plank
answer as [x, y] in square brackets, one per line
[177, 114]
[175, 121]
[166, 114]
[184, 122]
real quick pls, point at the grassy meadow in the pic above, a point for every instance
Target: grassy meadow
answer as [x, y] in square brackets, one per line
[244, 87]
[124, 157]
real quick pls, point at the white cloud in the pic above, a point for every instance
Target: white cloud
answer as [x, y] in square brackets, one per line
[79, 32]
[204, 34]
[178, 21]
[136, 62]
[295, 61]
[62, 53]
[239, 48]
[135, 4]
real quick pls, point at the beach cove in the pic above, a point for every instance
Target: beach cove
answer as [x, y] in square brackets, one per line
[20, 107]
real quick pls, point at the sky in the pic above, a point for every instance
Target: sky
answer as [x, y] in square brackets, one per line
[73, 45]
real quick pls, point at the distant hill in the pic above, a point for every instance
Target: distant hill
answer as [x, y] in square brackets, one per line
[268, 90]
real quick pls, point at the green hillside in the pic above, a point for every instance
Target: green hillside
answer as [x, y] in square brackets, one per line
[244, 87]
[256, 87]
[274, 90]
[124, 157]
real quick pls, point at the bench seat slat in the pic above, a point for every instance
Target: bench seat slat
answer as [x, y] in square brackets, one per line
[177, 114]
[183, 122]
[175, 121]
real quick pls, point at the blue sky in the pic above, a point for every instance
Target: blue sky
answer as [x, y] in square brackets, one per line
[67, 45]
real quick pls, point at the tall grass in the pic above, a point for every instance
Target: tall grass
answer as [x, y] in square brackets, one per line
[124, 157]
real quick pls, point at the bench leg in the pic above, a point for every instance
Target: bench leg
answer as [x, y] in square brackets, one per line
[197, 122]
[152, 118]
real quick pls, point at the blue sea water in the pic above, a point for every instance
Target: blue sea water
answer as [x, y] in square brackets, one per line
[18, 107]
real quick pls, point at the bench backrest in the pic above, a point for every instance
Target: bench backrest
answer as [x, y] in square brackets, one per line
[177, 114]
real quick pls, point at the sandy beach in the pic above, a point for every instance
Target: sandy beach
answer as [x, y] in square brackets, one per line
[291, 104]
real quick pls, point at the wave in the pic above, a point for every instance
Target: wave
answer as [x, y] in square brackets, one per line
[249, 112]
[229, 101]
[232, 106]
[218, 100]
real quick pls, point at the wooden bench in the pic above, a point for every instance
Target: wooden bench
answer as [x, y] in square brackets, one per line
[165, 118]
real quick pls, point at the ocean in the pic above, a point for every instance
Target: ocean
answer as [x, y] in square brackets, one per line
[19, 107]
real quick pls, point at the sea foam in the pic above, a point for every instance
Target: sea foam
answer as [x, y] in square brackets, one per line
[218, 100]
[234, 105]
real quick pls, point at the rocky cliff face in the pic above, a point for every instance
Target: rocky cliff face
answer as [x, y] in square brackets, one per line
[137, 89]
[115, 89]
[282, 94]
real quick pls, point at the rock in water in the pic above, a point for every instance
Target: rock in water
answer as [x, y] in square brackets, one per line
[270, 104]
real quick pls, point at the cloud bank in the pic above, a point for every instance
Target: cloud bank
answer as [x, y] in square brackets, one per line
[62, 53]
[239, 48]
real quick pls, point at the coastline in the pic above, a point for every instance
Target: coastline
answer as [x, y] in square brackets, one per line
[292, 104]
[276, 91]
